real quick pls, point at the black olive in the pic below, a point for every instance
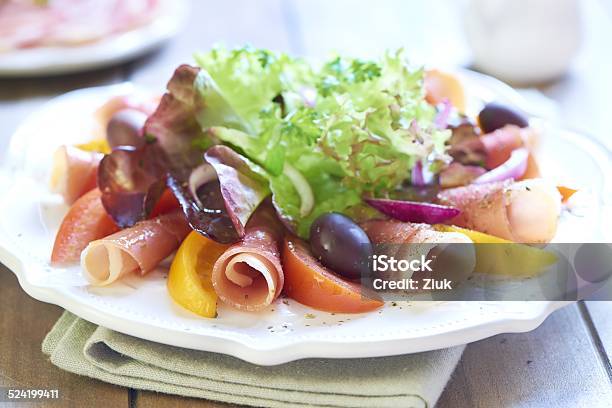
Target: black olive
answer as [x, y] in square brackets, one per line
[495, 116]
[341, 245]
[125, 129]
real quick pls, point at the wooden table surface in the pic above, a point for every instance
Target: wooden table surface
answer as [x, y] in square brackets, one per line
[565, 362]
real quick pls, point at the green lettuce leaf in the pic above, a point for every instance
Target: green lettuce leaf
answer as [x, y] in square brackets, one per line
[250, 79]
[350, 128]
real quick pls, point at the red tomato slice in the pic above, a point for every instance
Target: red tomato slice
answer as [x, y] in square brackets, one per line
[91, 183]
[86, 221]
[311, 284]
[166, 204]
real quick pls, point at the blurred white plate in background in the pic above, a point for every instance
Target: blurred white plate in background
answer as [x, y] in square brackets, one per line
[108, 51]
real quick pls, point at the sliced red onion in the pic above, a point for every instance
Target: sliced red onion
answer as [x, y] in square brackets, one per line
[421, 174]
[513, 168]
[417, 178]
[411, 211]
[441, 120]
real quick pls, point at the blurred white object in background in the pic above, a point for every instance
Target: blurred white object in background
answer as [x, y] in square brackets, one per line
[523, 41]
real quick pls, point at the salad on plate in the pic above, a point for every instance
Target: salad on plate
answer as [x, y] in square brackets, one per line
[261, 175]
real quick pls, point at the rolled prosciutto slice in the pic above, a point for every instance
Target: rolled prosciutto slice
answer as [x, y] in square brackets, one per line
[74, 172]
[499, 144]
[133, 102]
[491, 149]
[136, 249]
[453, 254]
[249, 275]
[397, 232]
[525, 211]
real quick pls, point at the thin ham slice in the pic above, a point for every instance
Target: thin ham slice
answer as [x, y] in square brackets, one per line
[104, 113]
[136, 249]
[491, 149]
[525, 211]
[23, 24]
[249, 275]
[74, 172]
[499, 144]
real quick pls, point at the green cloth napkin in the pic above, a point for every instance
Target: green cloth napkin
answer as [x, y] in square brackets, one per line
[415, 380]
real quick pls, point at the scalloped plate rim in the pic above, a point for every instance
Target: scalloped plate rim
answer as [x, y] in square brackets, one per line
[279, 352]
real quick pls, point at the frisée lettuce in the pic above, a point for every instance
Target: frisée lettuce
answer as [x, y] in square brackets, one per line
[324, 136]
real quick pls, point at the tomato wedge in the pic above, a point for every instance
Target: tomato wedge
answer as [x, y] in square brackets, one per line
[311, 284]
[86, 221]
[166, 204]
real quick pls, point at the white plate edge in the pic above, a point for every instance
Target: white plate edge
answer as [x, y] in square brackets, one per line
[283, 354]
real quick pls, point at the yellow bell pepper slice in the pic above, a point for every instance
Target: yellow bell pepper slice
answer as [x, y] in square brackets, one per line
[507, 258]
[189, 280]
[96, 145]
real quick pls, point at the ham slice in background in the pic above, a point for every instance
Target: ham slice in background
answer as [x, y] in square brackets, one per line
[23, 24]
[525, 211]
[26, 23]
[249, 275]
[138, 249]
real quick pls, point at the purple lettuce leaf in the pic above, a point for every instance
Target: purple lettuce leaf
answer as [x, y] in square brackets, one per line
[243, 184]
[131, 181]
[205, 211]
[217, 196]
[173, 125]
[220, 195]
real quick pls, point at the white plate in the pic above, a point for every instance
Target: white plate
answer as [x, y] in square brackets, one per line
[141, 307]
[105, 52]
